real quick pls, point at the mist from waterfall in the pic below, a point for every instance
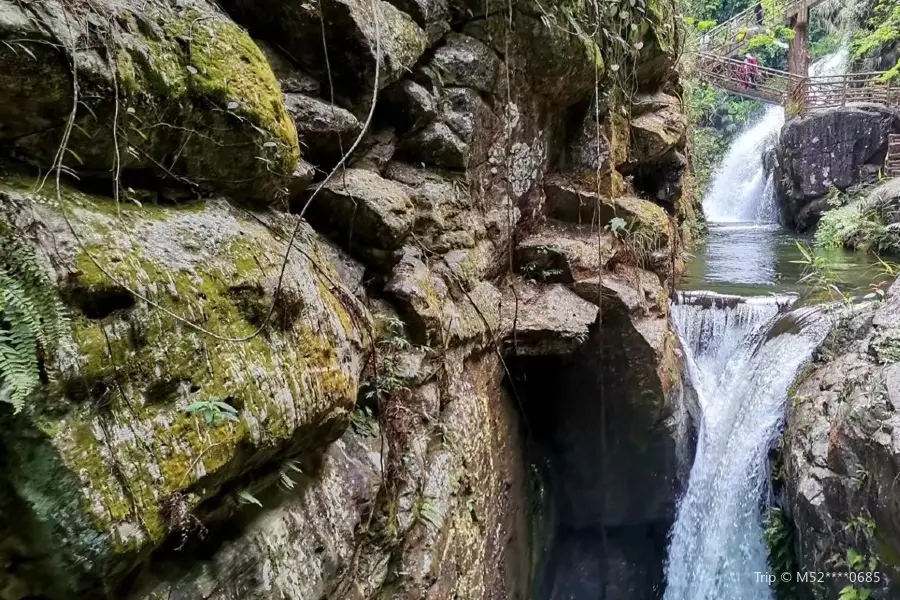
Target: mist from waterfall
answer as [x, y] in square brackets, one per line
[741, 368]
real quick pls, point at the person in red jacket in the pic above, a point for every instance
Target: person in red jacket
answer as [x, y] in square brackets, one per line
[749, 70]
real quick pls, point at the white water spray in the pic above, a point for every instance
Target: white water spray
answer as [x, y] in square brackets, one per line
[741, 191]
[741, 365]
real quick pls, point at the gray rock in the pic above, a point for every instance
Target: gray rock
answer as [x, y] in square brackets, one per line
[463, 61]
[833, 148]
[466, 113]
[323, 128]
[350, 39]
[292, 79]
[547, 319]
[655, 133]
[118, 423]
[437, 145]
[359, 208]
[562, 253]
[841, 457]
[415, 105]
[301, 547]
[375, 151]
[180, 120]
[432, 15]
[302, 177]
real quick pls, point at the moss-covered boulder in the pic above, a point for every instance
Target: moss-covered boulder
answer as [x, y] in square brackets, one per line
[148, 427]
[164, 91]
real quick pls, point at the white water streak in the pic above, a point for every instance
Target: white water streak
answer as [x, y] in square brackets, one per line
[741, 191]
[741, 378]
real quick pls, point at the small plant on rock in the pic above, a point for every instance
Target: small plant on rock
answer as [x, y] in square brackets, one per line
[213, 411]
[32, 320]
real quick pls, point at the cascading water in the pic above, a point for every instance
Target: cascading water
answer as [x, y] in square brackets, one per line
[742, 354]
[741, 190]
[741, 368]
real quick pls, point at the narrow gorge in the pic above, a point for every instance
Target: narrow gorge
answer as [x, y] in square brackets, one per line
[440, 300]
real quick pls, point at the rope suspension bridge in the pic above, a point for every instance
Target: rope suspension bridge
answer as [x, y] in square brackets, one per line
[795, 89]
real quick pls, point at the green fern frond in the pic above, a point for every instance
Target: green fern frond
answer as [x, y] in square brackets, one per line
[32, 320]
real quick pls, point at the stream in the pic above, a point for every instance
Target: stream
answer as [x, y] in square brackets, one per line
[744, 341]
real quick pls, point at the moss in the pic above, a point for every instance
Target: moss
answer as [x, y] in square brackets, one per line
[204, 93]
[123, 449]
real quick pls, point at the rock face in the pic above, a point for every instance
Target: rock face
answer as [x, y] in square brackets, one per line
[205, 112]
[841, 460]
[837, 148]
[246, 404]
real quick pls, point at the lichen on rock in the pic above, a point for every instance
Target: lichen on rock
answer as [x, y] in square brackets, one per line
[102, 457]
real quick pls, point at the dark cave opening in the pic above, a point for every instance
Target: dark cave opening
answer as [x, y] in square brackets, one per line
[602, 445]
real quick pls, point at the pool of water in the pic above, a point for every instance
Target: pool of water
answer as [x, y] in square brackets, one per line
[750, 259]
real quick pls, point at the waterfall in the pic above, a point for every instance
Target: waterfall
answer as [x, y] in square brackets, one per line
[742, 355]
[741, 191]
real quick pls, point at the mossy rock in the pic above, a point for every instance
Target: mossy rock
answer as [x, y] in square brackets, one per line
[179, 93]
[106, 456]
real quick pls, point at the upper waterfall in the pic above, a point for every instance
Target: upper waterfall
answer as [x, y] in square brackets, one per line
[741, 190]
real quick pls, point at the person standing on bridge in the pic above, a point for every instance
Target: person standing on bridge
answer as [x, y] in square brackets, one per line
[758, 9]
[749, 71]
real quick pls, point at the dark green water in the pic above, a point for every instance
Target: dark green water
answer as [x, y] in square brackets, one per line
[751, 259]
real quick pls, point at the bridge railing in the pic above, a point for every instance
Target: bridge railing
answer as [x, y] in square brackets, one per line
[837, 90]
[802, 94]
[728, 37]
[731, 74]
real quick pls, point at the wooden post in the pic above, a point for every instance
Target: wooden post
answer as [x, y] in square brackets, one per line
[798, 50]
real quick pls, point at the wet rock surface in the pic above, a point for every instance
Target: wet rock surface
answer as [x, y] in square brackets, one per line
[838, 147]
[358, 389]
[841, 460]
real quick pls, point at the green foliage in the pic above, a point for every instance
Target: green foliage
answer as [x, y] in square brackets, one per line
[819, 276]
[823, 44]
[32, 320]
[392, 340]
[778, 534]
[213, 411]
[882, 31]
[247, 497]
[856, 223]
[716, 117]
[714, 10]
[852, 593]
[617, 226]
[771, 47]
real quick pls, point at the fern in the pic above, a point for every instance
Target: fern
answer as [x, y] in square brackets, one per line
[32, 320]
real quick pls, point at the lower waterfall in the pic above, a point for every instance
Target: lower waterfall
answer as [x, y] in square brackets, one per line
[742, 355]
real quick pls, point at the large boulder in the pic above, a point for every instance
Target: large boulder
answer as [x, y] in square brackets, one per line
[841, 459]
[181, 93]
[345, 30]
[360, 208]
[326, 130]
[125, 446]
[299, 549]
[837, 148]
[656, 132]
